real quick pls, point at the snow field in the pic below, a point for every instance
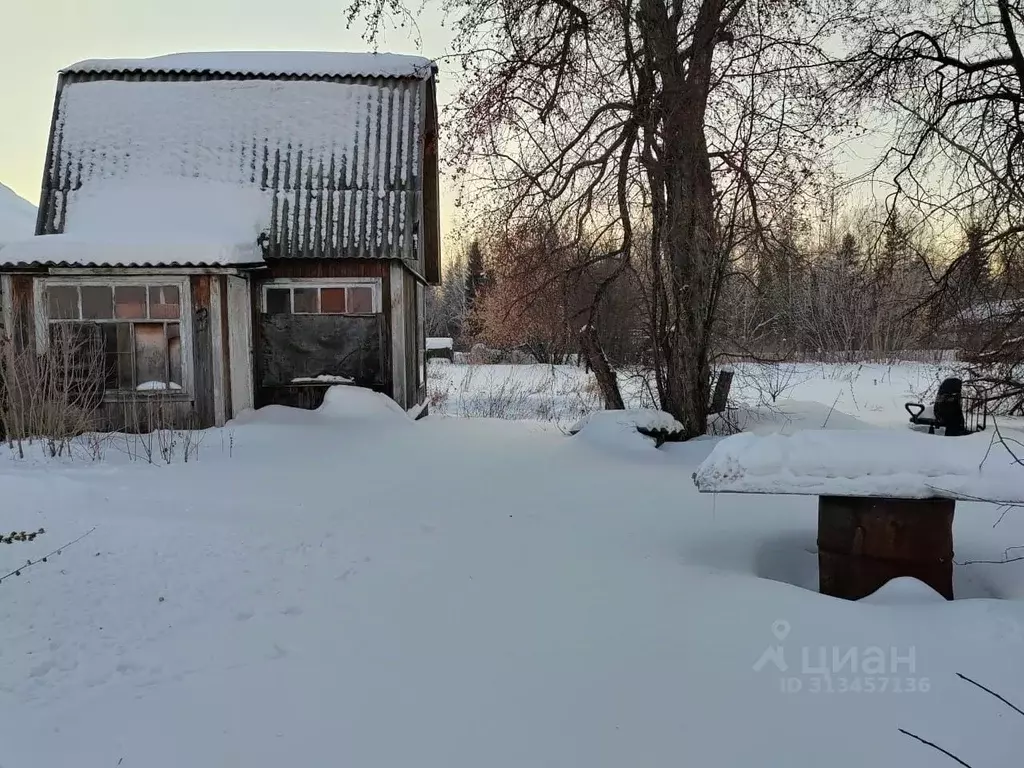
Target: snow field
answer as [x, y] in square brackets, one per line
[350, 587]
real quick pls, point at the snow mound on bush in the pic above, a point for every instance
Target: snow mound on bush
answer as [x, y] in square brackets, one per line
[619, 428]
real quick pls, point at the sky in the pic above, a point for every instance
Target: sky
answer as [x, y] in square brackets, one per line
[39, 37]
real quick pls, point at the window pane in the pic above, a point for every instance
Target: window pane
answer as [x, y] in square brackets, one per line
[97, 302]
[360, 300]
[174, 353]
[77, 350]
[306, 301]
[332, 301]
[130, 302]
[279, 301]
[110, 357]
[62, 301]
[150, 357]
[117, 342]
[164, 302]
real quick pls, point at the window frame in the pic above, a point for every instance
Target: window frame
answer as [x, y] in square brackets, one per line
[374, 283]
[184, 321]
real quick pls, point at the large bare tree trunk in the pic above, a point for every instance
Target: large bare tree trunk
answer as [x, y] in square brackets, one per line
[686, 230]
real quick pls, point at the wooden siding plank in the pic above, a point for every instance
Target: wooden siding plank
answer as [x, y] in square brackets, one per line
[217, 352]
[202, 354]
[239, 326]
[399, 380]
[430, 263]
[412, 376]
[6, 306]
[23, 306]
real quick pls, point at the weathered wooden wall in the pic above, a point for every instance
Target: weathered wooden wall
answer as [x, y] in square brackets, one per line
[225, 344]
[202, 349]
[142, 413]
[212, 379]
[306, 346]
[274, 392]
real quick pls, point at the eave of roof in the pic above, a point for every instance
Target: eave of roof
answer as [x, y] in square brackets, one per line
[266, 64]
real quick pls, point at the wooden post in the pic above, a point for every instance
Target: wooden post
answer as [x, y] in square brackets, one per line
[864, 542]
[720, 396]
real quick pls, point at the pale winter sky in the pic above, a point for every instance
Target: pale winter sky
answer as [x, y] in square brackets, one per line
[39, 37]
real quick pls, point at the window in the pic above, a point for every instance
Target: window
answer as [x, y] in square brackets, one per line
[354, 296]
[135, 328]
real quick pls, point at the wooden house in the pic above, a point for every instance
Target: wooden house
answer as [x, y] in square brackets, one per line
[237, 229]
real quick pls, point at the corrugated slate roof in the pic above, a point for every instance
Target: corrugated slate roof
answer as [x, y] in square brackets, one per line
[268, 63]
[340, 159]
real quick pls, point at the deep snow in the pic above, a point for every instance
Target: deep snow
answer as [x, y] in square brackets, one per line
[17, 216]
[185, 221]
[349, 587]
[875, 462]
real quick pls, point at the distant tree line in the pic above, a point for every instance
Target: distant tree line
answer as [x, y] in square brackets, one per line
[853, 286]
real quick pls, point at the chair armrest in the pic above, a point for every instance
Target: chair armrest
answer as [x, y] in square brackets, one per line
[915, 410]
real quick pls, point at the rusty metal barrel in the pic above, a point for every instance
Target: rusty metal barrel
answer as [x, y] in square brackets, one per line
[865, 542]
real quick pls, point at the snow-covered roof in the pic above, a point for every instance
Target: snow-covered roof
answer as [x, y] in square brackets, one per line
[164, 222]
[269, 63]
[440, 342]
[337, 165]
[17, 216]
[72, 251]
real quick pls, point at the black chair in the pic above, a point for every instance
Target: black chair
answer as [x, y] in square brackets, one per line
[948, 411]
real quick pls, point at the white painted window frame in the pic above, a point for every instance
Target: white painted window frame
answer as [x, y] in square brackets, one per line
[184, 285]
[373, 283]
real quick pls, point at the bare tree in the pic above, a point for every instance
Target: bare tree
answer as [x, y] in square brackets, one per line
[55, 395]
[673, 125]
[950, 74]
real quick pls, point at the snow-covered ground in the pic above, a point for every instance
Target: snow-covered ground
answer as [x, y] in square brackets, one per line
[349, 587]
[873, 394]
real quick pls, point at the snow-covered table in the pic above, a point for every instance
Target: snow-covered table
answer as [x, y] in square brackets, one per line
[885, 498]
